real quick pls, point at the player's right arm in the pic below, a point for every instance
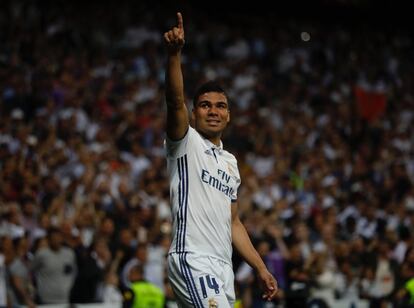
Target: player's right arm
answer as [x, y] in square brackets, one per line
[177, 114]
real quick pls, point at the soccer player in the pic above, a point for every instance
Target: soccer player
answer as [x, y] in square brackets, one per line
[204, 179]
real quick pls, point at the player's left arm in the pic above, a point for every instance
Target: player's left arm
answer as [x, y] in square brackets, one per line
[243, 244]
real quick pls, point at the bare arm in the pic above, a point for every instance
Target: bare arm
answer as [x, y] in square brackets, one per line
[177, 114]
[244, 246]
[18, 284]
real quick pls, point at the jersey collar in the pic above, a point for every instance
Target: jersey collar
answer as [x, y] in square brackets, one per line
[211, 145]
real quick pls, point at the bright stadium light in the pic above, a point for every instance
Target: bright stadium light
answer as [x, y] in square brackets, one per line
[305, 36]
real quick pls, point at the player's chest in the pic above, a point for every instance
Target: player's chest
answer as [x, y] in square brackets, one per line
[215, 170]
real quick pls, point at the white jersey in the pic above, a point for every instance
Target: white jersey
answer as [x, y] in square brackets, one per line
[3, 291]
[204, 180]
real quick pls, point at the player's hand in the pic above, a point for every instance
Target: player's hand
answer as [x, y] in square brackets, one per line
[174, 39]
[269, 285]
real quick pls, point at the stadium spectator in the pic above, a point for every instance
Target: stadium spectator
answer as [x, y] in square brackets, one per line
[55, 270]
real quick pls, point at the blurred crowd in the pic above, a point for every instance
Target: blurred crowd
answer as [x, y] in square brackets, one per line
[321, 124]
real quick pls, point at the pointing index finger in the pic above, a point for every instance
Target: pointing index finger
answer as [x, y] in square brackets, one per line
[180, 20]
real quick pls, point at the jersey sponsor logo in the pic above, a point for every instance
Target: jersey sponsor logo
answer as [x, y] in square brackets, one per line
[221, 182]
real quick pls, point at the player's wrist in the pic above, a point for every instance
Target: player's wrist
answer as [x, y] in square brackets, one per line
[261, 267]
[174, 52]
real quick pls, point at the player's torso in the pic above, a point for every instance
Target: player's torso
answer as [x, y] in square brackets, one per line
[204, 183]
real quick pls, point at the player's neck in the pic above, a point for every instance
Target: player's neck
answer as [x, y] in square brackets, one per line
[216, 140]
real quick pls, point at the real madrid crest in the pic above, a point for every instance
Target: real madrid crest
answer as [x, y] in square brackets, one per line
[212, 303]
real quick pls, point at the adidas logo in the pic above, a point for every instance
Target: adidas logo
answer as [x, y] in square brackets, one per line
[208, 152]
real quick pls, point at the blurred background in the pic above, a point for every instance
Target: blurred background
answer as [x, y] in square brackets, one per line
[322, 114]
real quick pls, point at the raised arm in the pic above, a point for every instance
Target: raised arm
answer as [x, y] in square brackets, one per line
[242, 243]
[177, 114]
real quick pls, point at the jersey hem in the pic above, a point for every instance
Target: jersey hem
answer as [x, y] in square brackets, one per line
[201, 255]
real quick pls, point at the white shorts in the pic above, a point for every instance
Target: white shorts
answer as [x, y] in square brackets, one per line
[201, 281]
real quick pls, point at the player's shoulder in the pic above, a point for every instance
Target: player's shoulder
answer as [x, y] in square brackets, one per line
[229, 156]
[192, 131]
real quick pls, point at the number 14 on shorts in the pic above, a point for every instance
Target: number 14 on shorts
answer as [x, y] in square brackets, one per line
[208, 282]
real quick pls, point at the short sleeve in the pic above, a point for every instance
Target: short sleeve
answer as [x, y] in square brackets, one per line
[234, 171]
[177, 148]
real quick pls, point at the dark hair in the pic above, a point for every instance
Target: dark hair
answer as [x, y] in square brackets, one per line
[52, 230]
[209, 86]
[16, 241]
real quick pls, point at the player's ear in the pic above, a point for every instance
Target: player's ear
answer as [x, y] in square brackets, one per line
[228, 116]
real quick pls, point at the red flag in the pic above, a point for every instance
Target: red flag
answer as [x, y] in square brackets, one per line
[371, 104]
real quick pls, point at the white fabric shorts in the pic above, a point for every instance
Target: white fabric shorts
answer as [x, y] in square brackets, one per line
[201, 281]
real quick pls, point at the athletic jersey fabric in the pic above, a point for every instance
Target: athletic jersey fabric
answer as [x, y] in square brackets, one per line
[204, 179]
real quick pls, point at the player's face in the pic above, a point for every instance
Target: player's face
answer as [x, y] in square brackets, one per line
[211, 114]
